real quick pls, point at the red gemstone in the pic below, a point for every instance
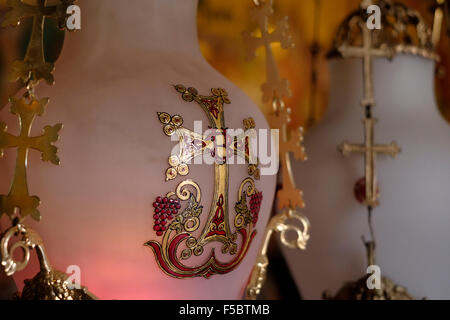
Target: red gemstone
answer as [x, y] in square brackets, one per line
[159, 233]
[360, 190]
[158, 199]
[156, 228]
[156, 216]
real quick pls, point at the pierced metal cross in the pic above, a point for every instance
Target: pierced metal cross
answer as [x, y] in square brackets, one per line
[18, 197]
[275, 86]
[370, 151]
[366, 52]
[34, 67]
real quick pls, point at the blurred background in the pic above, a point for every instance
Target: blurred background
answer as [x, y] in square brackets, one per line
[313, 25]
[220, 25]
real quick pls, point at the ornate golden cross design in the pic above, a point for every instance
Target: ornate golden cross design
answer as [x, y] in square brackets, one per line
[18, 197]
[366, 52]
[290, 198]
[217, 228]
[274, 90]
[34, 67]
[194, 144]
[370, 151]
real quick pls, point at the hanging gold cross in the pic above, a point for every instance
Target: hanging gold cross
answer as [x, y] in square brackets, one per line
[370, 150]
[18, 197]
[366, 52]
[34, 67]
[289, 197]
[275, 89]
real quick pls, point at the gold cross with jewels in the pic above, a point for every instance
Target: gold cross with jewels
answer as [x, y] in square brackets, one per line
[261, 14]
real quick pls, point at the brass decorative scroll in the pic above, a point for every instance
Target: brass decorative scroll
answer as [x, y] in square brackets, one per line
[290, 198]
[18, 200]
[183, 229]
[404, 31]
[33, 68]
[48, 284]
[279, 223]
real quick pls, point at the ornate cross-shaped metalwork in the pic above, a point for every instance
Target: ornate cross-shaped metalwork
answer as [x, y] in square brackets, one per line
[366, 52]
[290, 198]
[220, 145]
[18, 197]
[34, 67]
[369, 148]
[274, 85]
[370, 151]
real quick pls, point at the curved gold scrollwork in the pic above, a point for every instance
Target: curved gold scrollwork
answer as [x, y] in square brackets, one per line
[30, 240]
[183, 193]
[284, 228]
[279, 223]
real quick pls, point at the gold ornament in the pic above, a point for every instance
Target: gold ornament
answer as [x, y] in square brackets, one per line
[217, 227]
[370, 151]
[280, 223]
[358, 290]
[290, 198]
[33, 67]
[18, 201]
[48, 284]
[404, 31]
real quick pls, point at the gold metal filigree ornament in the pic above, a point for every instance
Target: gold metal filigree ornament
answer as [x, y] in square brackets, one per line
[182, 230]
[290, 198]
[403, 31]
[18, 204]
